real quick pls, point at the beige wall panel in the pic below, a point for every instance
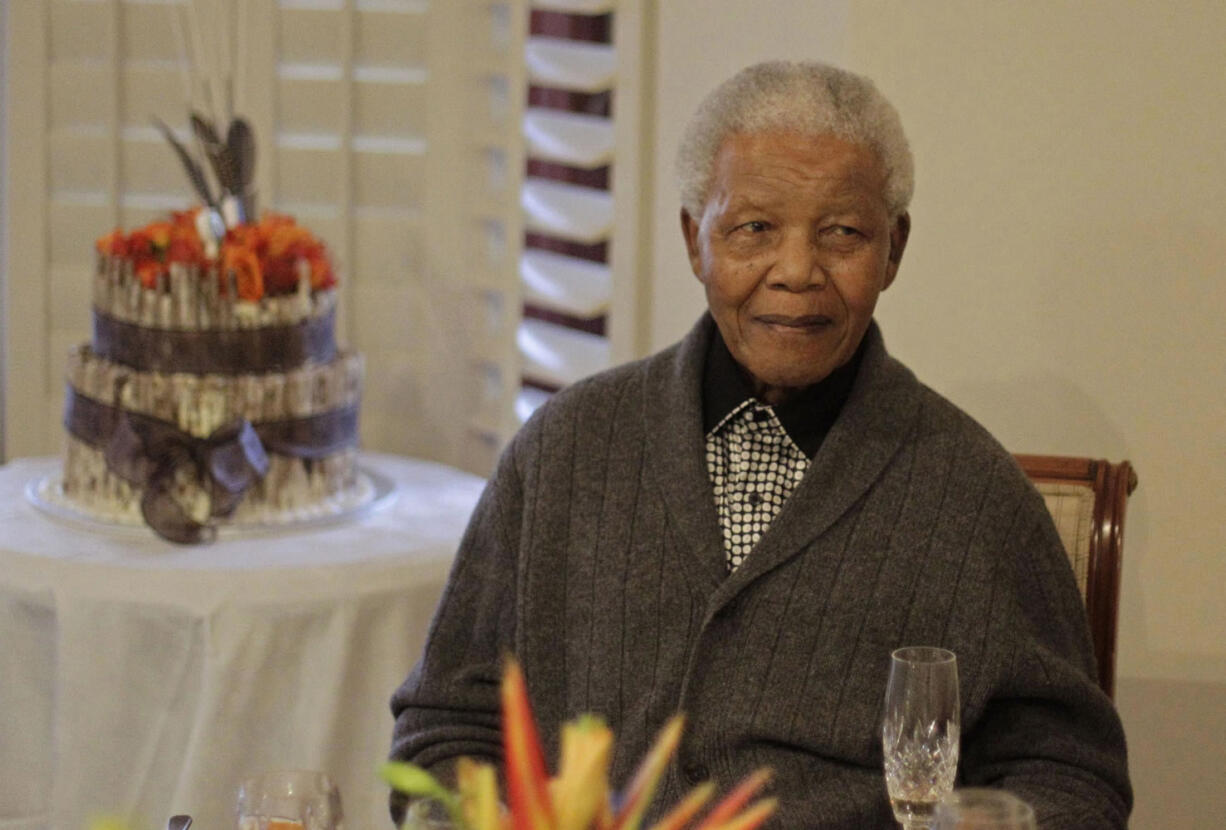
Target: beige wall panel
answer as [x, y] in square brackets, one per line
[79, 30]
[72, 228]
[150, 166]
[308, 176]
[71, 297]
[389, 180]
[387, 249]
[391, 109]
[310, 35]
[310, 105]
[390, 38]
[138, 210]
[153, 90]
[78, 161]
[80, 94]
[388, 313]
[147, 31]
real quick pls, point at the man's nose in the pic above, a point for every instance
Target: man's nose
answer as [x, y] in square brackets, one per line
[799, 264]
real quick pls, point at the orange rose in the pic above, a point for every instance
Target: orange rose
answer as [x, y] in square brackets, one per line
[159, 234]
[184, 248]
[280, 275]
[140, 245]
[184, 219]
[148, 271]
[245, 265]
[321, 271]
[113, 244]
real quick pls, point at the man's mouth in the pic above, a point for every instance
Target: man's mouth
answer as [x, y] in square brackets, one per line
[802, 321]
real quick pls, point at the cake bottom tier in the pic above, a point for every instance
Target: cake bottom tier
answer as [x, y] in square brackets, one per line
[293, 489]
[186, 451]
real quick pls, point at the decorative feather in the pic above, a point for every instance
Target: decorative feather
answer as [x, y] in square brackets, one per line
[194, 173]
[240, 148]
[215, 151]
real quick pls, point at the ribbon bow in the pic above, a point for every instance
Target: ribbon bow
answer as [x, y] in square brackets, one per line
[156, 456]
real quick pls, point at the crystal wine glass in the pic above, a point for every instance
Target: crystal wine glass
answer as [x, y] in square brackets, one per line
[919, 735]
[425, 814]
[983, 809]
[288, 800]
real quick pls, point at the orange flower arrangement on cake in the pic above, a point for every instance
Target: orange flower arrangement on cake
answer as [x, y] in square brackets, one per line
[268, 257]
[579, 796]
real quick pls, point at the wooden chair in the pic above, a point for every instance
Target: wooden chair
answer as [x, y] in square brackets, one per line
[1087, 498]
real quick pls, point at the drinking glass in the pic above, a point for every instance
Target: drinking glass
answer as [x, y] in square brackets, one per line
[426, 814]
[919, 734]
[289, 800]
[983, 809]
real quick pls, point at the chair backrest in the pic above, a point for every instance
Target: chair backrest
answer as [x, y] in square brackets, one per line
[1087, 498]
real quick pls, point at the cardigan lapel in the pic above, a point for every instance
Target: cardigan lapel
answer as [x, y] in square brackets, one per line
[877, 420]
[676, 452]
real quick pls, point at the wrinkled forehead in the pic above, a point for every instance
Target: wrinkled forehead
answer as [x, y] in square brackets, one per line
[821, 163]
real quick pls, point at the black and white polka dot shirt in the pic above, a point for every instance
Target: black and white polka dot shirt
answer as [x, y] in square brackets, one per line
[757, 453]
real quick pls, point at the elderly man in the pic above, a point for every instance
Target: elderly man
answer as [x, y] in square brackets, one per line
[743, 526]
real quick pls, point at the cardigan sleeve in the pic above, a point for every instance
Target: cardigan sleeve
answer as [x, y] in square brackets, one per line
[1047, 731]
[449, 705]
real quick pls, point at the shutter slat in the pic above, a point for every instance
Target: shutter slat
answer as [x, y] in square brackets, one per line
[557, 356]
[569, 138]
[570, 64]
[528, 401]
[565, 284]
[578, 214]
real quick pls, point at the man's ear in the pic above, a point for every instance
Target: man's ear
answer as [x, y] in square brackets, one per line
[898, 243]
[689, 229]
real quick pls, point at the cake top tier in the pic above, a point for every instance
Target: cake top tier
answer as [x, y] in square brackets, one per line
[269, 258]
[168, 275]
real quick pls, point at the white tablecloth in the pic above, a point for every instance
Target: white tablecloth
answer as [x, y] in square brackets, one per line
[141, 678]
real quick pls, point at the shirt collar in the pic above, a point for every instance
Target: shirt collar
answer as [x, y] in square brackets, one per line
[806, 418]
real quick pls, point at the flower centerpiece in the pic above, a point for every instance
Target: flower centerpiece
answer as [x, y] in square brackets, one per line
[270, 257]
[579, 796]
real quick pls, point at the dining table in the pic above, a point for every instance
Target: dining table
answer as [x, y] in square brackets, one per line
[141, 678]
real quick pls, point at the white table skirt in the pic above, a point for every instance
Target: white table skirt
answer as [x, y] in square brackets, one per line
[141, 679]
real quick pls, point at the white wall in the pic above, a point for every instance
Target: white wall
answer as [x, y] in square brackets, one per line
[1064, 281]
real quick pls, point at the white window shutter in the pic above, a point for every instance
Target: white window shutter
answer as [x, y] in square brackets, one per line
[568, 206]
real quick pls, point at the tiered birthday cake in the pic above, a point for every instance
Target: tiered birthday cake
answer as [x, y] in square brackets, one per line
[212, 390]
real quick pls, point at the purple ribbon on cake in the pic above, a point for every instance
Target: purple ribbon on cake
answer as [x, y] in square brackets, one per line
[150, 454]
[215, 351]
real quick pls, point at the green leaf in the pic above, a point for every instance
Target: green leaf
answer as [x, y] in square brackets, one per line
[414, 781]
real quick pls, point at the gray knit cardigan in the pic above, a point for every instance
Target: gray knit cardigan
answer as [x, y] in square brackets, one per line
[595, 557]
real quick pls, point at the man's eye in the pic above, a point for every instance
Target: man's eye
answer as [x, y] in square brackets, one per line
[844, 230]
[756, 226]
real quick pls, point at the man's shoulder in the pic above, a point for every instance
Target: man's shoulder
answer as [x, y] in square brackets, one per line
[608, 386]
[953, 430]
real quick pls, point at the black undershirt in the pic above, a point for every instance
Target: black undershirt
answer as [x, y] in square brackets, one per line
[807, 417]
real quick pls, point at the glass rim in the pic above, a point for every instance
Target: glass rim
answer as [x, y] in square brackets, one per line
[923, 654]
[292, 783]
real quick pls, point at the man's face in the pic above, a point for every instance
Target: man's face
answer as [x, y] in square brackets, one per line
[794, 245]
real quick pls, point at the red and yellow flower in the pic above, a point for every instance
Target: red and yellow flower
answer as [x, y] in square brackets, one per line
[579, 796]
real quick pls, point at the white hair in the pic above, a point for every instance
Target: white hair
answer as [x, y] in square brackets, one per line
[808, 98]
